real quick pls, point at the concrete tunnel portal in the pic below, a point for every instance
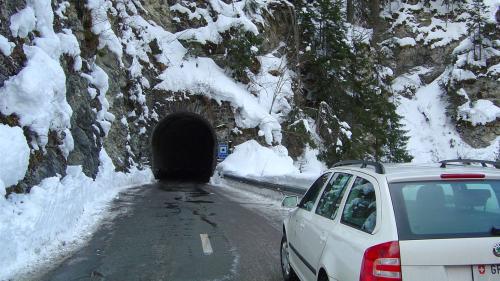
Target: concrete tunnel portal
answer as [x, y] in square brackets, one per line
[184, 148]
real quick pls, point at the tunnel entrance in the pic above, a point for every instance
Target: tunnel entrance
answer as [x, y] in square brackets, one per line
[184, 148]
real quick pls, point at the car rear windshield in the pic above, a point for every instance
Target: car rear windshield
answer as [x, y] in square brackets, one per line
[437, 209]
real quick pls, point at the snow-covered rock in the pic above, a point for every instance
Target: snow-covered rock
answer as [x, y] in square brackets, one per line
[37, 95]
[6, 46]
[479, 112]
[15, 156]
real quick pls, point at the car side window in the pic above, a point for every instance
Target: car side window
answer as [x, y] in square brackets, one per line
[312, 193]
[332, 195]
[360, 210]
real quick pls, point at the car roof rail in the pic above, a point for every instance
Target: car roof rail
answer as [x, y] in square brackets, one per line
[379, 168]
[483, 163]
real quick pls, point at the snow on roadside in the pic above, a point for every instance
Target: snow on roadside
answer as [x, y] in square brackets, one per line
[259, 200]
[251, 160]
[58, 214]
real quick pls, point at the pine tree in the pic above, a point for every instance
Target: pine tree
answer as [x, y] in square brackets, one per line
[379, 132]
[476, 25]
[323, 45]
[342, 73]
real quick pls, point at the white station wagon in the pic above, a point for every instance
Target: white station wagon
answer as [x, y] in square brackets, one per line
[364, 221]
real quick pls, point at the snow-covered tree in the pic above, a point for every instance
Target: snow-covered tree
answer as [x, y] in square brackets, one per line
[339, 68]
[476, 26]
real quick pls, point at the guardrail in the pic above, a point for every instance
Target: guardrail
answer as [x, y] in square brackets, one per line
[273, 186]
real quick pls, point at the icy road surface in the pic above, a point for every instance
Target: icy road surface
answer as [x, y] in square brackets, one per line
[181, 231]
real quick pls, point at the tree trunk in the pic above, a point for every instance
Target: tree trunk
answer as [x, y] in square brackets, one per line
[374, 11]
[350, 11]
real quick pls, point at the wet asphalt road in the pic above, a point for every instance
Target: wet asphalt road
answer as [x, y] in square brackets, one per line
[157, 237]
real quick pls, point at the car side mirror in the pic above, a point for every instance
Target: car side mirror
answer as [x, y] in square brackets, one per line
[290, 201]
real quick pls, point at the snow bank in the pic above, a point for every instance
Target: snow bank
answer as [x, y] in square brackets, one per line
[250, 159]
[58, 214]
[15, 156]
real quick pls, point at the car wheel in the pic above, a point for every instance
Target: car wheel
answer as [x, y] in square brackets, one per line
[286, 268]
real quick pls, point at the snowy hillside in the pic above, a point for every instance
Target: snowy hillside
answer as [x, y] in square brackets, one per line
[121, 57]
[83, 84]
[425, 91]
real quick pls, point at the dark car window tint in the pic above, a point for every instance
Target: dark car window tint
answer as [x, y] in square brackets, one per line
[313, 192]
[332, 195]
[444, 210]
[360, 209]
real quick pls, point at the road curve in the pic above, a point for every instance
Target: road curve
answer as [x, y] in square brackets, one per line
[180, 231]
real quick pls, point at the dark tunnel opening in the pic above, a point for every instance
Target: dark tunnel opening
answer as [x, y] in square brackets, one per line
[184, 148]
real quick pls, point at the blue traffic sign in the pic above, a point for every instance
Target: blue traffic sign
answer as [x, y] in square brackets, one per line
[223, 151]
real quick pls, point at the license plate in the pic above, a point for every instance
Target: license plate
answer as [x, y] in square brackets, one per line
[488, 272]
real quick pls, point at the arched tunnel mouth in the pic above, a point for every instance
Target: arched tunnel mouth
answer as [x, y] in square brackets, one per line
[184, 148]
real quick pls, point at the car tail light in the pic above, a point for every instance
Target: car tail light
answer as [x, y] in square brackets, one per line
[381, 263]
[463, 176]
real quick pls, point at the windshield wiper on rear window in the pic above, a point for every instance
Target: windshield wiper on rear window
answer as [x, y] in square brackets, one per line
[495, 231]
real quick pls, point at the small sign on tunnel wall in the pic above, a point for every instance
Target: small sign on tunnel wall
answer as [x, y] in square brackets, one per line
[222, 151]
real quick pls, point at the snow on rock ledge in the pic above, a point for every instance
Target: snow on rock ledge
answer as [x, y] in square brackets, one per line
[479, 112]
[15, 156]
[6, 46]
[202, 76]
[38, 95]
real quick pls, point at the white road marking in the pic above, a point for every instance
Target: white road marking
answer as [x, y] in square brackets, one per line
[205, 243]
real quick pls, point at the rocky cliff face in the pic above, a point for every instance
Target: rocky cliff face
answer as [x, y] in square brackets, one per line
[126, 64]
[435, 64]
[114, 75]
